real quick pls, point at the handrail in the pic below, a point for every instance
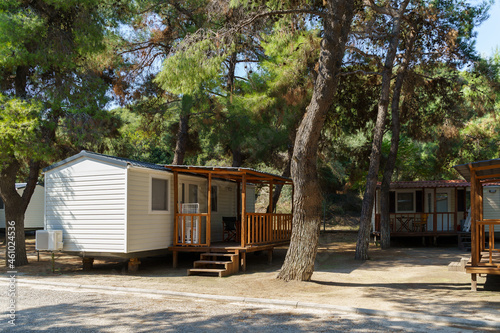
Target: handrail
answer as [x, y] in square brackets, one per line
[421, 222]
[188, 227]
[267, 228]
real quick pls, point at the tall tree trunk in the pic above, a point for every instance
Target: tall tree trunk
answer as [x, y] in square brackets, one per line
[235, 147]
[15, 208]
[385, 224]
[230, 74]
[299, 260]
[20, 81]
[182, 139]
[237, 159]
[182, 133]
[279, 187]
[363, 241]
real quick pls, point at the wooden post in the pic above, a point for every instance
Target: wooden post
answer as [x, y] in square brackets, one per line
[455, 223]
[243, 256]
[243, 211]
[270, 256]
[434, 222]
[87, 263]
[473, 282]
[482, 238]
[474, 214]
[209, 216]
[268, 220]
[174, 258]
[176, 208]
[133, 265]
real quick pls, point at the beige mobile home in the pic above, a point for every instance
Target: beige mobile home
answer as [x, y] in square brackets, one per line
[433, 208]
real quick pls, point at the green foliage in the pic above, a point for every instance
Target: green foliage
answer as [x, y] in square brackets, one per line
[192, 70]
[19, 129]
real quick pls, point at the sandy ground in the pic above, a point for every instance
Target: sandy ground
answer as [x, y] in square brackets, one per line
[412, 279]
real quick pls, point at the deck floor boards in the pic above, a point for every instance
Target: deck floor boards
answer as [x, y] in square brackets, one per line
[484, 266]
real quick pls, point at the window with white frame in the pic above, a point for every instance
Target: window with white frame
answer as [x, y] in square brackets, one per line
[159, 194]
[405, 202]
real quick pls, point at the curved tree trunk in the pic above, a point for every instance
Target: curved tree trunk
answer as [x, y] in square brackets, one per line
[183, 132]
[385, 224]
[299, 260]
[363, 241]
[182, 139]
[286, 173]
[237, 159]
[15, 208]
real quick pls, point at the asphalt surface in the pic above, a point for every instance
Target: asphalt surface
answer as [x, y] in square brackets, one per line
[48, 308]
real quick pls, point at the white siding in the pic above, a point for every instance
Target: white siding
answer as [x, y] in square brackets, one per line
[250, 198]
[86, 199]
[33, 218]
[2, 218]
[148, 230]
[491, 204]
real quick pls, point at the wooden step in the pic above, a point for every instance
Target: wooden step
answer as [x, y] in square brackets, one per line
[212, 271]
[215, 254]
[210, 259]
[212, 262]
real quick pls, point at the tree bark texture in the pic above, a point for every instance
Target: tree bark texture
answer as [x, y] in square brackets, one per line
[385, 223]
[182, 139]
[15, 208]
[286, 173]
[237, 158]
[299, 260]
[363, 241]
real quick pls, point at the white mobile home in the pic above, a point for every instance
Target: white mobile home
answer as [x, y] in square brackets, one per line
[33, 218]
[108, 205]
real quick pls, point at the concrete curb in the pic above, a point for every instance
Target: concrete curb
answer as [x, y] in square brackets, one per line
[453, 321]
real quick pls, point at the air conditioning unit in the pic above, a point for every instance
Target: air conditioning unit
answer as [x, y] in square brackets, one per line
[49, 240]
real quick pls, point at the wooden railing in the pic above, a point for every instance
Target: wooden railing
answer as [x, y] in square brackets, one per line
[187, 235]
[444, 222]
[266, 228]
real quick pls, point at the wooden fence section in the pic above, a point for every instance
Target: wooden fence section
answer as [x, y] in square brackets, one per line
[267, 228]
[435, 223]
[188, 229]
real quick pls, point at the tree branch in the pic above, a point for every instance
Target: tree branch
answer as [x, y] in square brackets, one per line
[281, 12]
[360, 71]
[379, 9]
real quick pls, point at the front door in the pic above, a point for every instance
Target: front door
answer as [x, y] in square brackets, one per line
[443, 220]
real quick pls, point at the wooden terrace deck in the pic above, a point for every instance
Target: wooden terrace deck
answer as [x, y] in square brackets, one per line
[228, 247]
[489, 263]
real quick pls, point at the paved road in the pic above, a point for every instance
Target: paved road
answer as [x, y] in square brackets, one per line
[55, 309]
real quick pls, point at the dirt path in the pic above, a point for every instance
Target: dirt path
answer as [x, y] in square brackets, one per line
[400, 279]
